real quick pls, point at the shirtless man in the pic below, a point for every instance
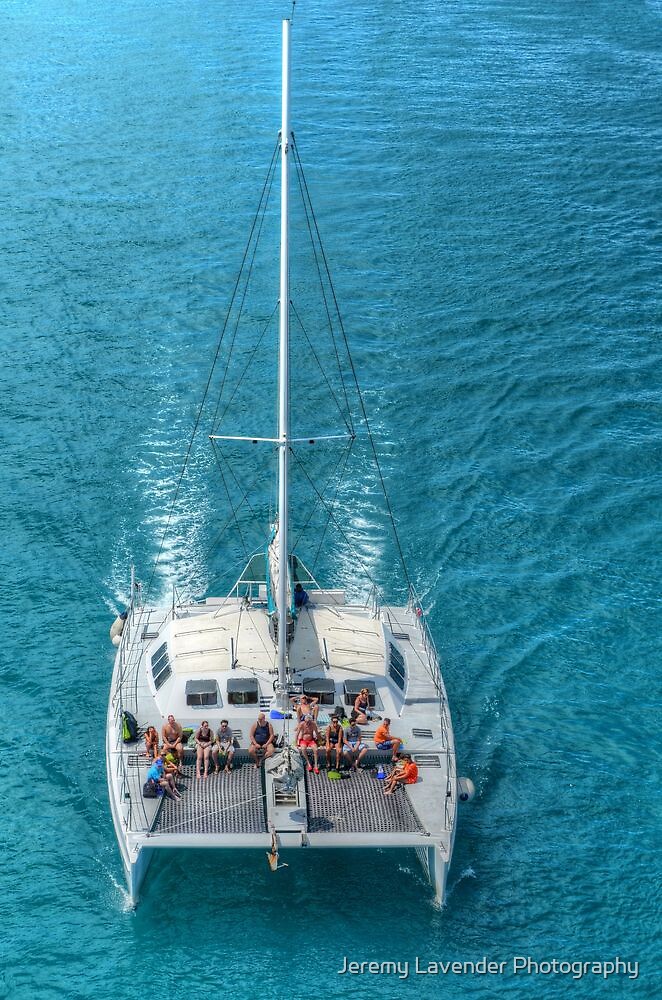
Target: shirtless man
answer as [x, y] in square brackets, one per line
[173, 738]
[306, 706]
[306, 737]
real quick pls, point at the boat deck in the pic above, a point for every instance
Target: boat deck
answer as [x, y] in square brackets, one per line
[221, 803]
[357, 805]
[241, 809]
[235, 803]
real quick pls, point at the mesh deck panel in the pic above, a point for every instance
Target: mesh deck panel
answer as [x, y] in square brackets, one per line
[221, 803]
[357, 805]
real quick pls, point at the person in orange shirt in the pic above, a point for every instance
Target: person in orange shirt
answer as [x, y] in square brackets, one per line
[384, 740]
[405, 772]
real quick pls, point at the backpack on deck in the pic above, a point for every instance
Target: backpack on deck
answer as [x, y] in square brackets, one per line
[129, 727]
[151, 790]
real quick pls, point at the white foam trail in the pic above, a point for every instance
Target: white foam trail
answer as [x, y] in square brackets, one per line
[467, 873]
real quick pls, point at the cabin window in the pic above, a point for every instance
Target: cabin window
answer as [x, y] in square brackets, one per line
[321, 688]
[242, 691]
[161, 668]
[201, 693]
[396, 667]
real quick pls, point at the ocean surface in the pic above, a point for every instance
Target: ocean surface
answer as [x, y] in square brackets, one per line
[486, 176]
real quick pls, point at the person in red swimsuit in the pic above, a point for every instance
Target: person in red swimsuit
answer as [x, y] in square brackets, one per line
[306, 736]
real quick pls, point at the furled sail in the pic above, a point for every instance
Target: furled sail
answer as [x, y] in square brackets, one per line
[274, 571]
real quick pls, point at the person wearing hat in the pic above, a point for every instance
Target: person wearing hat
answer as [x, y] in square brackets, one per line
[157, 774]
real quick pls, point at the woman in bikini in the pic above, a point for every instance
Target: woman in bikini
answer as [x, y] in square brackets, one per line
[203, 742]
[334, 744]
[362, 707]
[151, 742]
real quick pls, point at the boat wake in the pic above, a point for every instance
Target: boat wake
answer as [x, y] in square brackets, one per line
[467, 873]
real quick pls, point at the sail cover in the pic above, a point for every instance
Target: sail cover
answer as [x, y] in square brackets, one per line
[274, 572]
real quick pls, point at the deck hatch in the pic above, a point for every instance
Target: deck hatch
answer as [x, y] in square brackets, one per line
[353, 690]
[321, 688]
[242, 691]
[201, 693]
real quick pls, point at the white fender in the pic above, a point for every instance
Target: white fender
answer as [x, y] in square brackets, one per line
[466, 789]
[116, 630]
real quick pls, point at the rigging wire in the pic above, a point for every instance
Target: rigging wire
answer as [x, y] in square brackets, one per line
[319, 365]
[317, 503]
[232, 508]
[224, 528]
[243, 374]
[354, 375]
[333, 503]
[309, 212]
[264, 201]
[211, 373]
[238, 485]
[332, 518]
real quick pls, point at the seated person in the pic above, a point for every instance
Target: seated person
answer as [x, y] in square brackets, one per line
[300, 597]
[203, 741]
[306, 706]
[405, 772]
[173, 738]
[384, 740]
[306, 737]
[354, 748]
[224, 747]
[171, 767]
[261, 740]
[151, 742]
[334, 744]
[166, 782]
[362, 707]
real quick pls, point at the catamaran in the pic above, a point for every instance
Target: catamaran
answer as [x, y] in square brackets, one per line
[260, 649]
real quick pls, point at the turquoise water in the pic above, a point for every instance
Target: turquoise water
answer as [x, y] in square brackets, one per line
[486, 175]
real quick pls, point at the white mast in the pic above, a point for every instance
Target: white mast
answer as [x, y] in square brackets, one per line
[283, 369]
